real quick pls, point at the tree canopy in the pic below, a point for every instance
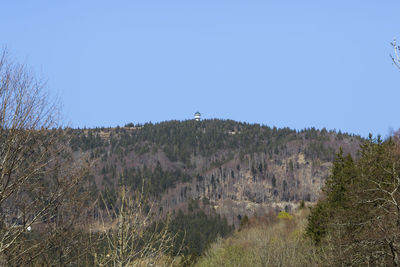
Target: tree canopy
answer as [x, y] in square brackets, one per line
[359, 215]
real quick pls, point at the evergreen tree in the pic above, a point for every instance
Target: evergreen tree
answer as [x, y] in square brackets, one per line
[359, 216]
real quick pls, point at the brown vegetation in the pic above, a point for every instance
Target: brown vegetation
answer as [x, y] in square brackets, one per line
[270, 242]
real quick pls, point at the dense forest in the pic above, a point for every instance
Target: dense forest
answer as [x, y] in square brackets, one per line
[195, 181]
[185, 166]
[174, 152]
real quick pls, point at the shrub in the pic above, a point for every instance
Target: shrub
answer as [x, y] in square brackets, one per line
[283, 215]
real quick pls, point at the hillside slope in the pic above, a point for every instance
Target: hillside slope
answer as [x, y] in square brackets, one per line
[235, 168]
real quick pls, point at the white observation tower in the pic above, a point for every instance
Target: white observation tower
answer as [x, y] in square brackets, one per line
[197, 116]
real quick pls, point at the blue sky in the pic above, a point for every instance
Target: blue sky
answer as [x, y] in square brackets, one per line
[281, 63]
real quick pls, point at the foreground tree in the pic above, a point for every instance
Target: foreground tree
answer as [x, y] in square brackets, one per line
[359, 217]
[131, 235]
[38, 176]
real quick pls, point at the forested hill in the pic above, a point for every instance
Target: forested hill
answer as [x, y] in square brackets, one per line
[232, 167]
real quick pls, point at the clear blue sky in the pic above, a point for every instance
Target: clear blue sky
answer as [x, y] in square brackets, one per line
[280, 63]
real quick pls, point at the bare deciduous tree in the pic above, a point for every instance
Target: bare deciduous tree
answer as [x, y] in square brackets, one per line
[396, 54]
[135, 237]
[37, 171]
